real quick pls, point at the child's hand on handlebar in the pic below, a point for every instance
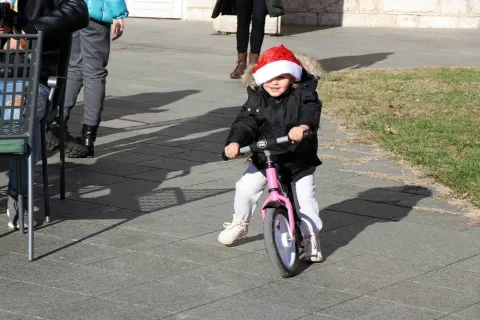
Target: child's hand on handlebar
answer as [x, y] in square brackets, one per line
[296, 133]
[232, 150]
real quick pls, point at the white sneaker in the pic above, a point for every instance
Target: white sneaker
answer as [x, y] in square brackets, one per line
[311, 249]
[233, 231]
[12, 214]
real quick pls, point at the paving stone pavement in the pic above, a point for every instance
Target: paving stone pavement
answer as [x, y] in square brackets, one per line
[136, 237]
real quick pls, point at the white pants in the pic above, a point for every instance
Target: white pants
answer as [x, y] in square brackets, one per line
[250, 187]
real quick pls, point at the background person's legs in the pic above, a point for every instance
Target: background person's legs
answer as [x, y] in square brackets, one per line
[244, 17]
[75, 74]
[95, 55]
[259, 15]
[73, 87]
[87, 68]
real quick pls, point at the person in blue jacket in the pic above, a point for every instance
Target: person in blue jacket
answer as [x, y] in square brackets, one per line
[88, 61]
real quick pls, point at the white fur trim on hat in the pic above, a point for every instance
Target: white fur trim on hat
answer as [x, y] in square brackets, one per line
[276, 68]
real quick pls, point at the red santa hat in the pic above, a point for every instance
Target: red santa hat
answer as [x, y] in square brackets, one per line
[274, 62]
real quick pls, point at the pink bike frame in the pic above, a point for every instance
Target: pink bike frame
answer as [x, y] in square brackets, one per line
[275, 198]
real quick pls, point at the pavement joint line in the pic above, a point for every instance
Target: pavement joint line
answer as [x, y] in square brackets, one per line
[186, 271]
[373, 155]
[405, 304]
[454, 316]
[185, 186]
[400, 258]
[193, 239]
[397, 204]
[93, 169]
[224, 298]
[45, 286]
[88, 265]
[123, 176]
[357, 296]
[102, 231]
[363, 215]
[140, 213]
[322, 314]
[451, 264]
[114, 206]
[129, 251]
[275, 279]
[410, 280]
[463, 308]
[441, 287]
[200, 264]
[22, 314]
[129, 143]
[70, 193]
[95, 268]
[222, 246]
[165, 156]
[346, 225]
[347, 161]
[113, 300]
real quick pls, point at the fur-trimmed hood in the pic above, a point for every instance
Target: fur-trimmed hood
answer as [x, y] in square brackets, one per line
[311, 69]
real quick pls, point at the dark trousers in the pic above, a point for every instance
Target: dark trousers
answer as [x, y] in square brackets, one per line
[87, 68]
[254, 11]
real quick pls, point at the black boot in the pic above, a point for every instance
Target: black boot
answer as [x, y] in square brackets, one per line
[89, 135]
[72, 145]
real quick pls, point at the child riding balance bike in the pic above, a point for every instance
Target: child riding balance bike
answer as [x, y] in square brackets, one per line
[282, 106]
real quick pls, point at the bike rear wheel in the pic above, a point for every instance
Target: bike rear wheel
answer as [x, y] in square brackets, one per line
[281, 247]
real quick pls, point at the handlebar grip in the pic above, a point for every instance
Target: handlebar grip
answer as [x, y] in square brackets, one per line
[224, 156]
[308, 133]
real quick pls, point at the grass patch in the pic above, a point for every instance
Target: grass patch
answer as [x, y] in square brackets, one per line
[431, 117]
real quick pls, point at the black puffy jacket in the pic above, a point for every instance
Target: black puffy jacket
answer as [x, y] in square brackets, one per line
[264, 117]
[58, 19]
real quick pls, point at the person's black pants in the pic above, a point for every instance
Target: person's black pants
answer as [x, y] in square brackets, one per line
[254, 11]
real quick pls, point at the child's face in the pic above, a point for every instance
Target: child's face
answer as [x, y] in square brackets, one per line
[277, 86]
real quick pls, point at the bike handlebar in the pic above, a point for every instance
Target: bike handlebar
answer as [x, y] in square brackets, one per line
[262, 145]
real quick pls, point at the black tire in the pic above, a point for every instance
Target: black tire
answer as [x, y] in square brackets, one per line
[272, 250]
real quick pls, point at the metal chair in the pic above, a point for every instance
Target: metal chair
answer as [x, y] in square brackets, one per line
[19, 77]
[57, 85]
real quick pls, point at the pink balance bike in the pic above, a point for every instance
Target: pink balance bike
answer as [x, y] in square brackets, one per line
[280, 221]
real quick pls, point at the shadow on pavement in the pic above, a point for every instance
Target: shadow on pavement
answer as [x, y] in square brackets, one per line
[338, 232]
[353, 62]
[368, 208]
[130, 176]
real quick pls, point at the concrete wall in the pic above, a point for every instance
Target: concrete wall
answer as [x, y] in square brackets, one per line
[385, 13]
[198, 10]
[366, 13]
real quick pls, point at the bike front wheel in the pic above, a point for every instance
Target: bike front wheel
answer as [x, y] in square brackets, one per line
[281, 247]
